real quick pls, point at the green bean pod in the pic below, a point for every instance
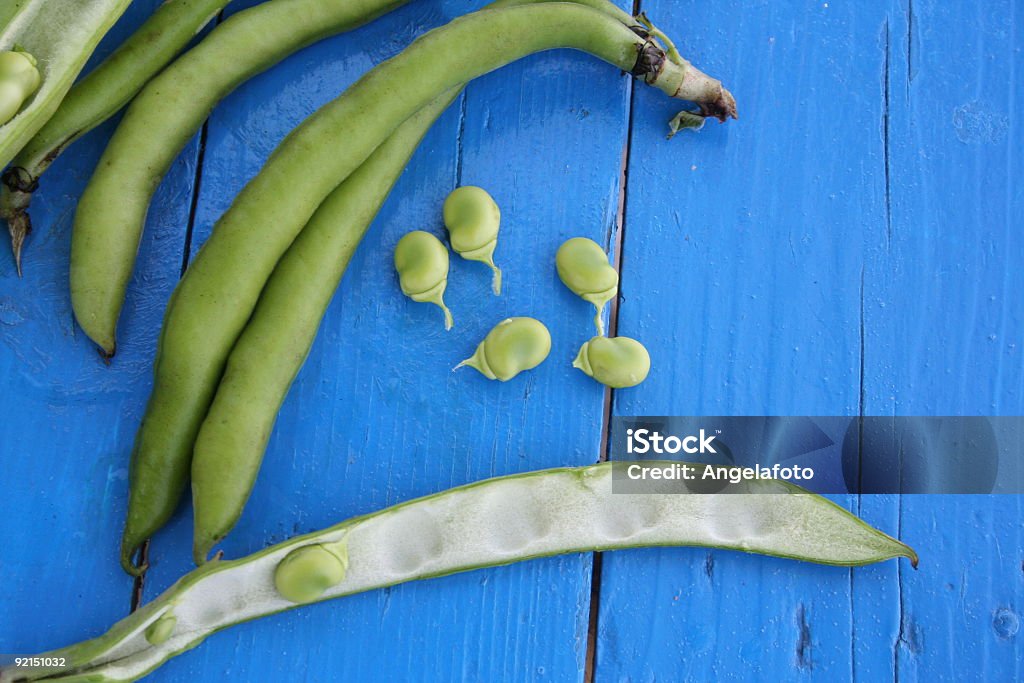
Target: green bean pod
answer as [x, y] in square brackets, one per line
[583, 267]
[473, 219]
[616, 362]
[514, 345]
[215, 299]
[422, 264]
[158, 124]
[484, 524]
[97, 97]
[268, 355]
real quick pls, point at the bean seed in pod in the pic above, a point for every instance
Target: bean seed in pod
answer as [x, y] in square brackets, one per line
[422, 264]
[583, 267]
[305, 573]
[19, 79]
[160, 630]
[473, 219]
[513, 346]
[617, 362]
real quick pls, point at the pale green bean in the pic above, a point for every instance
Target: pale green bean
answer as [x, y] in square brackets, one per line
[617, 362]
[473, 219]
[513, 346]
[422, 264]
[583, 267]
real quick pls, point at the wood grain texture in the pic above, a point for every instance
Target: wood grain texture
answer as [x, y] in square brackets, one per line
[851, 245]
[853, 249]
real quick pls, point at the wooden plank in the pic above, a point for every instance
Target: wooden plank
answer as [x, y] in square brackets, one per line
[741, 272]
[69, 420]
[377, 416]
[944, 321]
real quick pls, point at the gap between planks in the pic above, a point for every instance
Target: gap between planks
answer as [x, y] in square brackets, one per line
[616, 247]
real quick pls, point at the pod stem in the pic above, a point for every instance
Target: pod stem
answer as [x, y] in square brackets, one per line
[670, 48]
[16, 188]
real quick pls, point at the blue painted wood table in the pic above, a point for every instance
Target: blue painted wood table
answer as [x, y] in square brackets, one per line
[851, 246]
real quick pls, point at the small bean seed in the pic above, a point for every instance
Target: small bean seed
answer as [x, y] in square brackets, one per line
[305, 573]
[19, 79]
[422, 264]
[473, 219]
[617, 362]
[10, 100]
[514, 345]
[583, 267]
[160, 630]
[21, 68]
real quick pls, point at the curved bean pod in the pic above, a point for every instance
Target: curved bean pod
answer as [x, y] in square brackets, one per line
[583, 267]
[158, 124]
[214, 300]
[514, 345]
[97, 97]
[233, 437]
[473, 219]
[566, 510]
[422, 264]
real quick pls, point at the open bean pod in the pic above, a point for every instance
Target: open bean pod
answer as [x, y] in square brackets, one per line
[484, 524]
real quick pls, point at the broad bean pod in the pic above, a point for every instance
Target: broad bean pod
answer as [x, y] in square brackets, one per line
[270, 351]
[583, 267]
[570, 510]
[473, 219]
[97, 97]
[214, 300]
[514, 345]
[422, 264]
[157, 125]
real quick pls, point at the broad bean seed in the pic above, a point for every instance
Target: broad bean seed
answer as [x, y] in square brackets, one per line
[513, 346]
[422, 264]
